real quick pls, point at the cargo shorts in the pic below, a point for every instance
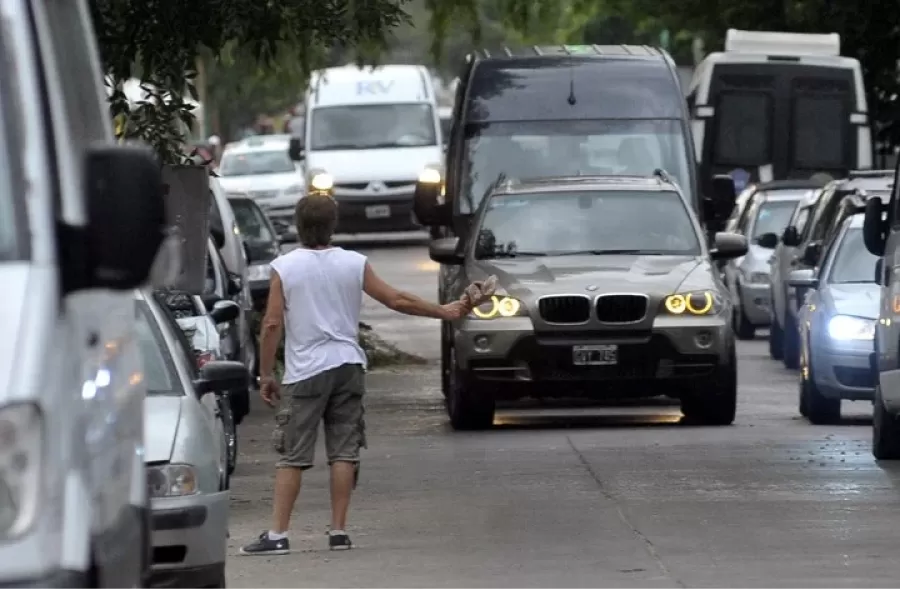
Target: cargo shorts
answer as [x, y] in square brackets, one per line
[334, 398]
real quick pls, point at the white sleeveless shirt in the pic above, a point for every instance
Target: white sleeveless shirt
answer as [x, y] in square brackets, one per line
[322, 295]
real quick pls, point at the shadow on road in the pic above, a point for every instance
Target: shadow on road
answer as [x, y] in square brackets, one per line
[582, 421]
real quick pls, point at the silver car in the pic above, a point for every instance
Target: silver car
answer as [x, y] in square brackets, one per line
[747, 277]
[837, 325]
[186, 452]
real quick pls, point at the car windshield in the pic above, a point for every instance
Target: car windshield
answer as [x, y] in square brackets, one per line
[586, 222]
[251, 163]
[250, 220]
[562, 148]
[853, 263]
[773, 217]
[370, 126]
[158, 368]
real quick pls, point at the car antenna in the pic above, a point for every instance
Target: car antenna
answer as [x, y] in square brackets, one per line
[571, 99]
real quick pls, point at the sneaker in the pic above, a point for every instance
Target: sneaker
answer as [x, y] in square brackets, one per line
[266, 545]
[339, 540]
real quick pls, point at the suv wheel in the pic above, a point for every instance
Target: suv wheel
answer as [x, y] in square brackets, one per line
[469, 407]
[719, 405]
[885, 431]
[791, 346]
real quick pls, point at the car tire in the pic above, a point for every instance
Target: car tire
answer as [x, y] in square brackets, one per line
[719, 405]
[820, 410]
[469, 407]
[776, 340]
[791, 346]
[743, 329]
[445, 359]
[885, 431]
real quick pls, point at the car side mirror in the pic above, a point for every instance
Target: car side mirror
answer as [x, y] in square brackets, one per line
[126, 222]
[790, 237]
[879, 271]
[767, 240]
[875, 227]
[811, 254]
[803, 278]
[220, 376]
[727, 246]
[296, 150]
[445, 251]
[224, 311]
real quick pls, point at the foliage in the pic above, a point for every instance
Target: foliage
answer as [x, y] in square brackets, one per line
[160, 41]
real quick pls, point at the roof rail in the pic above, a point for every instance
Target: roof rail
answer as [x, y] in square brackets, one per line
[869, 174]
[663, 175]
[782, 44]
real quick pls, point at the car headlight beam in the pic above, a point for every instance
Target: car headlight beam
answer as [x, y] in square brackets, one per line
[430, 176]
[848, 328]
[321, 182]
[499, 306]
[692, 303]
[171, 480]
[21, 453]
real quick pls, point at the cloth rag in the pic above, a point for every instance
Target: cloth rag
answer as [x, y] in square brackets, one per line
[478, 292]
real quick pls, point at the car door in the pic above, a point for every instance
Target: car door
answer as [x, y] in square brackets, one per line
[888, 333]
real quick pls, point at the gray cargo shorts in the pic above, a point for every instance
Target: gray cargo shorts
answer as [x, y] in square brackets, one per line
[335, 398]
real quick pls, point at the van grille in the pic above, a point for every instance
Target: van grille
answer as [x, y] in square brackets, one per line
[565, 309]
[621, 308]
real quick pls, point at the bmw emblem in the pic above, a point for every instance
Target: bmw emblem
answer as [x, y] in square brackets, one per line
[592, 287]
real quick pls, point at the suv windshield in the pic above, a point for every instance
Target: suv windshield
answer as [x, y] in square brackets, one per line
[773, 216]
[853, 263]
[370, 126]
[568, 148]
[250, 219]
[158, 369]
[250, 163]
[586, 222]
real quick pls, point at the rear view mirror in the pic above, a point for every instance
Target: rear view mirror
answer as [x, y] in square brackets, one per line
[727, 246]
[224, 311]
[222, 376]
[790, 237]
[295, 149]
[811, 254]
[767, 240]
[444, 251]
[875, 227]
[804, 278]
[126, 219]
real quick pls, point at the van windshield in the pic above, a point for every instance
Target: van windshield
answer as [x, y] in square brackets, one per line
[251, 163]
[372, 126]
[540, 149]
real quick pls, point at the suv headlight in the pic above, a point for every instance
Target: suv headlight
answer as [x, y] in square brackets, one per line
[21, 451]
[701, 302]
[499, 306]
[845, 327]
[171, 480]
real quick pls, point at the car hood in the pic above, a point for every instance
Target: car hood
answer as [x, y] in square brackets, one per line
[162, 416]
[367, 165]
[259, 182]
[859, 300]
[657, 276]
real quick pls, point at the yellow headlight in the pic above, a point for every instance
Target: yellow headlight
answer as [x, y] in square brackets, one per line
[322, 182]
[693, 303]
[498, 307]
[430, 176]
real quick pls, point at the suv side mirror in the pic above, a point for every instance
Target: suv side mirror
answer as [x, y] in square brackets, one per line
[727, 246]
[220, 376]
[296, 150]
[126, 221]
[875, 227]
[224, 311]
[767, 240]
[790, 237]
[803, 278]
[444, 251]
[811, 254]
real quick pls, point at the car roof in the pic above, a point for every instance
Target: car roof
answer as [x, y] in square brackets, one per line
[780, 196]
[572, 183]
[570, 51]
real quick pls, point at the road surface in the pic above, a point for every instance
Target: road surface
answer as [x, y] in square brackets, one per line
[610, 497]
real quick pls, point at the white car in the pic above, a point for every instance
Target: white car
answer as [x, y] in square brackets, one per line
[185, 452]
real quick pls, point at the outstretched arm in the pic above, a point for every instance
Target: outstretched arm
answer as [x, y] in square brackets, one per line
[406, 303]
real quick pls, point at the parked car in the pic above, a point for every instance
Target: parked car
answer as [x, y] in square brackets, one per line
[186, 455]
[823, 221]
[837, 325]
[748, 196]
[262, 244]
[747, 277]
[780, 267]
[606, 289]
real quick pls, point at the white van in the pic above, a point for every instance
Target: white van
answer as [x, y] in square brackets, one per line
[372, 132]
[779, 106]
[81, 222]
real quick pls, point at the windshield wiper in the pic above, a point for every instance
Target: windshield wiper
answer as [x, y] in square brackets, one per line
[332, 146]
[515, 254]
[602, 252]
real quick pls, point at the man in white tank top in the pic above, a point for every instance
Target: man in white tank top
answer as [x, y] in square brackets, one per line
[315, 297]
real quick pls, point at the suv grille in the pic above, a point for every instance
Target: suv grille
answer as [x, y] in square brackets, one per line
[621, 308]
[565, 309]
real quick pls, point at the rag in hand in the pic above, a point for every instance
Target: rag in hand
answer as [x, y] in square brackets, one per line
[478, 292]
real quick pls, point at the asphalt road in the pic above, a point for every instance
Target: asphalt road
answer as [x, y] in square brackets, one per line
[609, 497]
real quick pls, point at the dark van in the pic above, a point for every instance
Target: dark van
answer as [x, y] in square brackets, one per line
[566, 111]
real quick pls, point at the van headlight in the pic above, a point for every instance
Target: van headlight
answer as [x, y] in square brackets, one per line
[171, 480]
[845, 328]
[321, 181]
[430, 175]
[21, 452]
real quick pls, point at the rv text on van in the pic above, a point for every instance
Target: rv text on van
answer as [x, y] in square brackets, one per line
[776, 106]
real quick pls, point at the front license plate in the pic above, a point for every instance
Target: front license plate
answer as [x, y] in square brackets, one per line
[598, 355]
[378, 212]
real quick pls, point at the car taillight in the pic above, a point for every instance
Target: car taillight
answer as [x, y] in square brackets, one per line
[203, 358]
